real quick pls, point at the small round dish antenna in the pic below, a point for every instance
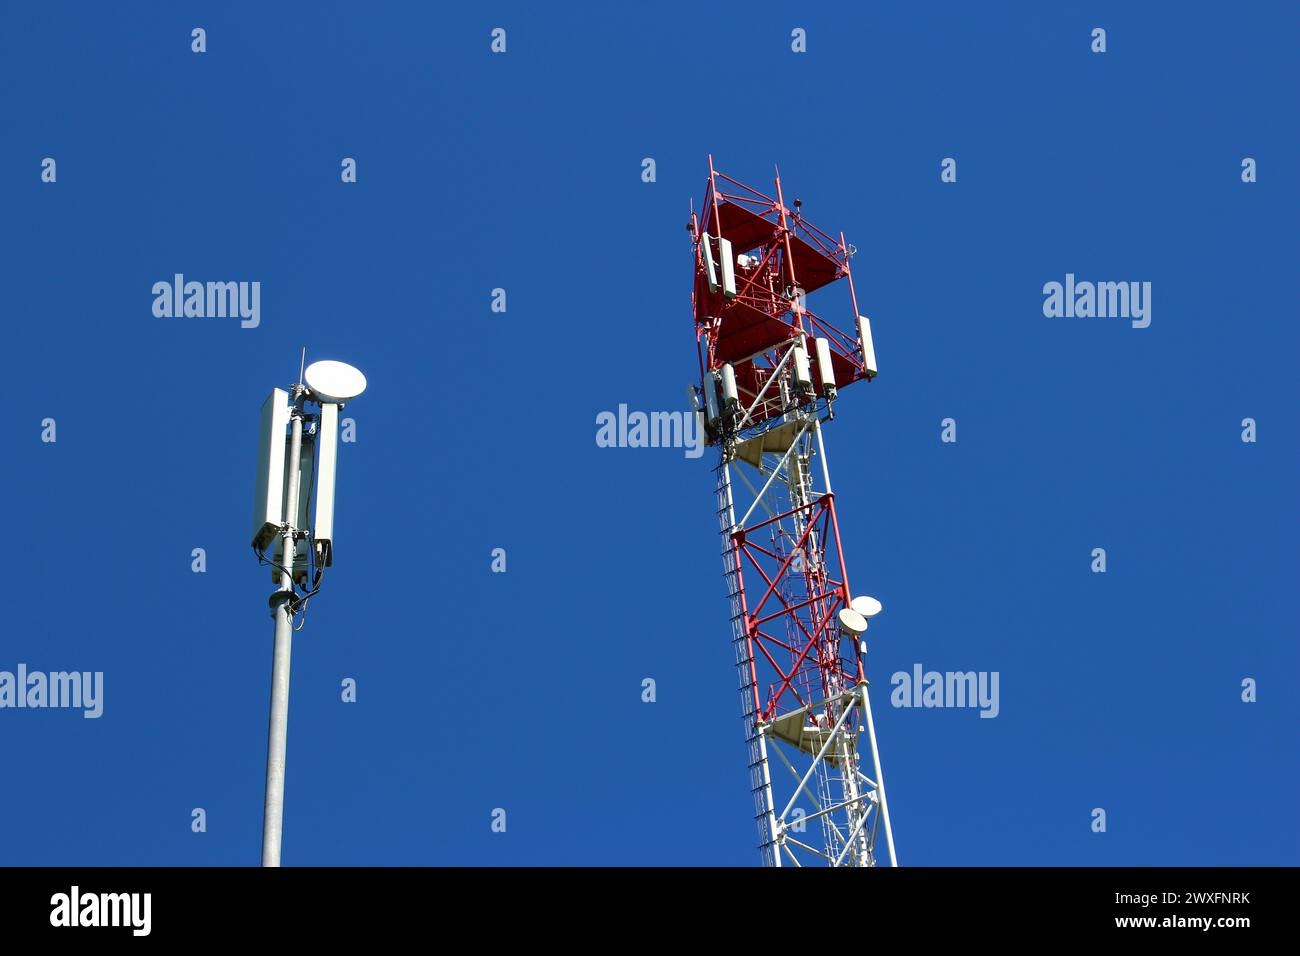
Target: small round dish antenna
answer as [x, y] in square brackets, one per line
[334, 382]
[868, 607]
[851, 622]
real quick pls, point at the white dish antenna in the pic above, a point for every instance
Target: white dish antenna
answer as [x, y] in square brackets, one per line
[868, 607]
[334, 382]
[851, 622]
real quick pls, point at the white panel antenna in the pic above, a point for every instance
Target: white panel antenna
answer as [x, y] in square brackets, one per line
[712, 410]
[868, 347]
[710, 267]
[825, 370]
[730, 396]
[327, 451]
[728, 268]
[802, 374]
[268, 498]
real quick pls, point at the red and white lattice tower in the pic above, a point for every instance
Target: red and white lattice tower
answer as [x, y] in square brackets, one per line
[770, 370]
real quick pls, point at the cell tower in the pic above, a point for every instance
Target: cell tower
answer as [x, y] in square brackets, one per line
[770, 371]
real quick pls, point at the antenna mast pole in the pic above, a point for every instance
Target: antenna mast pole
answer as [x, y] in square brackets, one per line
[278, 731]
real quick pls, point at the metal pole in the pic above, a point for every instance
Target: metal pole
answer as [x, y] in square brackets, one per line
[278, 732]
[880, 778]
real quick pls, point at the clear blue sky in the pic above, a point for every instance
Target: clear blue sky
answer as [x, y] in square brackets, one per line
[522, 690]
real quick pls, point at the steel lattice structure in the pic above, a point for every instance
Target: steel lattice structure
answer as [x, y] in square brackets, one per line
[799, 660]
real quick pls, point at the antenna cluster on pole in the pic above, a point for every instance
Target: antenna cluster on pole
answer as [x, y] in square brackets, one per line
[297, 460]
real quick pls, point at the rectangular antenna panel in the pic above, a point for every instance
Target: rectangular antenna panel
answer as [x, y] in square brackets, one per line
[728, 268]
[824, 368]
[268, 498]
[323, 532]
[730, 396]
[802, 375]
[711, 407]
[868, 347]
[706, 248]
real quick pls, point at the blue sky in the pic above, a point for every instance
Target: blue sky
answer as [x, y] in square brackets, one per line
[522, 171]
